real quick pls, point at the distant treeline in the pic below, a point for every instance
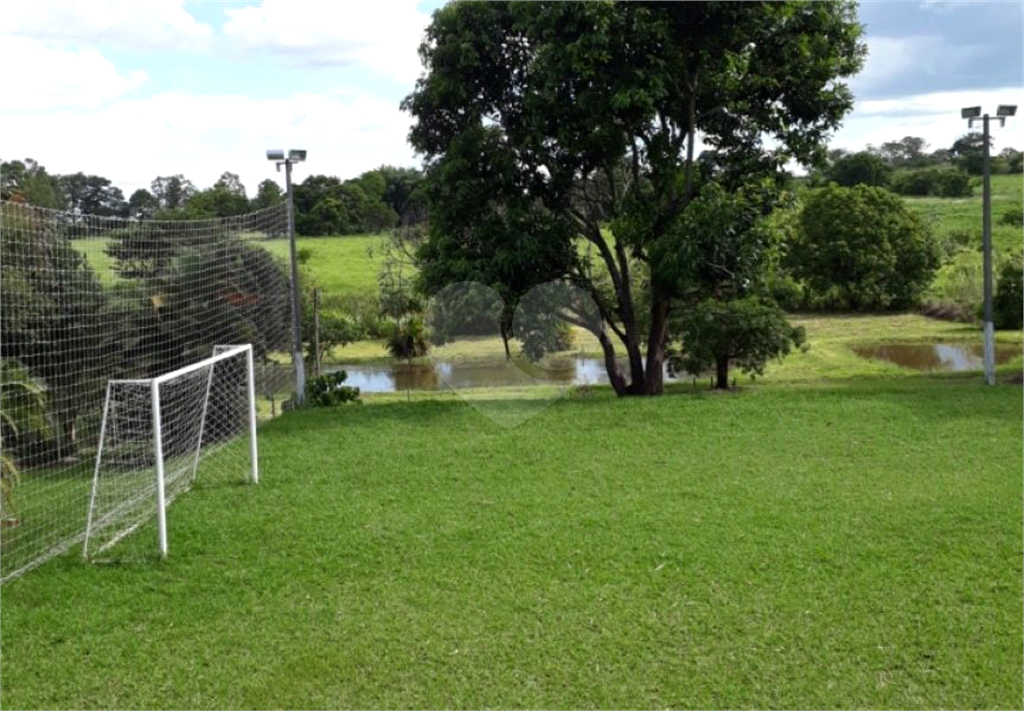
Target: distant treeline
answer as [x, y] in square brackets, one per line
[906, 167]
[324, 205]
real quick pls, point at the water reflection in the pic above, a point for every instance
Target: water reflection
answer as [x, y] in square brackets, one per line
[956, 357]
[392, 377]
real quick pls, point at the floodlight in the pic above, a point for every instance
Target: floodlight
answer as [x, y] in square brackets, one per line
[275, 154]
[972, 112]
[296, 155]
[1006, 110]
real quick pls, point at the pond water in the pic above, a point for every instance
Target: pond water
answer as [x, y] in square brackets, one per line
[936, 356]
[396, 377]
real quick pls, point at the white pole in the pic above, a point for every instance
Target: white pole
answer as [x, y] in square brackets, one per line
[158, 447]
[96, 472]
[252, 415]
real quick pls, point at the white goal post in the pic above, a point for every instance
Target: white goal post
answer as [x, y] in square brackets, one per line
[155, 432]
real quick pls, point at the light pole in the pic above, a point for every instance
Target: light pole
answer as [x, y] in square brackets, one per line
[973, 114]
[279, 158]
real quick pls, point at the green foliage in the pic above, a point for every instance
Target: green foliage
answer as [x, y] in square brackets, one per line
[328, 390]
[324, 205]
[186, 293]
[406, 337]
[52, 321]
[335, 330]
[1014, 217]
[23, 415]
[746, 332]
[91, 195]
[565, 95]
[172, 192]
[947, 182]
[864, 246]
[28, 182]
[268, 194]
[968, 152]
[1008, 302]
[862, 168]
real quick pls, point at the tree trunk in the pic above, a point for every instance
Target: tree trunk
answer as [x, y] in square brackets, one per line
[618, 382]
[654, 376]
[505, 336]
[722, 372]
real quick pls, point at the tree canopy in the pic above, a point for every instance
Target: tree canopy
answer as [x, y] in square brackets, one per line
[597, 107]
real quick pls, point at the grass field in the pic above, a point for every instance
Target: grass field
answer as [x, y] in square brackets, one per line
[857, 545]
[341, 265]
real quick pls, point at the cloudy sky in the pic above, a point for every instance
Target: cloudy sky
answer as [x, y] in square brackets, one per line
[133, 89]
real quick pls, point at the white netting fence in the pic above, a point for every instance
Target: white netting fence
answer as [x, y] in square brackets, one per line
[85, 300]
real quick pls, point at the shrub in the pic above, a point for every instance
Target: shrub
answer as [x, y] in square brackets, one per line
[328, 390]
[861, 168]
[1013, 217]
[936, 182]
[1008, 301]
[407, 338]
[866, 246]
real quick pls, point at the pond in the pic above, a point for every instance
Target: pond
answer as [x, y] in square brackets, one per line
[397, 377]
[954, 357]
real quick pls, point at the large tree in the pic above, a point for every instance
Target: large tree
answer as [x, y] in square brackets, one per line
[599, 106]
[91, 195]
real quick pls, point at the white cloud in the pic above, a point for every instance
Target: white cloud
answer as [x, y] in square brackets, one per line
[132, 142]
[379, 37]
[934, 117]
[41, 77]
[147, 24]
[940, 104]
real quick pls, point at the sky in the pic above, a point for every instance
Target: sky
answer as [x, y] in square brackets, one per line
[132, 89]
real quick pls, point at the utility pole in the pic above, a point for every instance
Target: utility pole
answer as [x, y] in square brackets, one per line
[294, 156]
[973, 114]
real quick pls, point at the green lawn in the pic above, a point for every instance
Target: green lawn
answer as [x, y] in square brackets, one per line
[857, 545]
[341, 265]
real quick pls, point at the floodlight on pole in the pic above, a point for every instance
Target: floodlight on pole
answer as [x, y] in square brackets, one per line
[973, 114]
[294, 156]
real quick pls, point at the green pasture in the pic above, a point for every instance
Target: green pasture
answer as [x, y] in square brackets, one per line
[340, 265]
[951, 216]
[850, 545]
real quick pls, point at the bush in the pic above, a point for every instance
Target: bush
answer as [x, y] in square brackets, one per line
[328, 390]
[746, 333]
[861, 168]
[934, 182]
[407, 338]
[1013, 217]
[1008, 301]
[865, 247]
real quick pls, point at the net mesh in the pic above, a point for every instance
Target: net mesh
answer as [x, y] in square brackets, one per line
[87, 299]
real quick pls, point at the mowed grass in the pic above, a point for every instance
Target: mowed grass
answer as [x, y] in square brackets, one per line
[855, 545]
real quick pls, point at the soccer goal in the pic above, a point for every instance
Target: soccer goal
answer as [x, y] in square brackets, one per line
[160, 435]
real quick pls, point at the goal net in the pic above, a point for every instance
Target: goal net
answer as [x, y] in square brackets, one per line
[160, 435]
[86, 299]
